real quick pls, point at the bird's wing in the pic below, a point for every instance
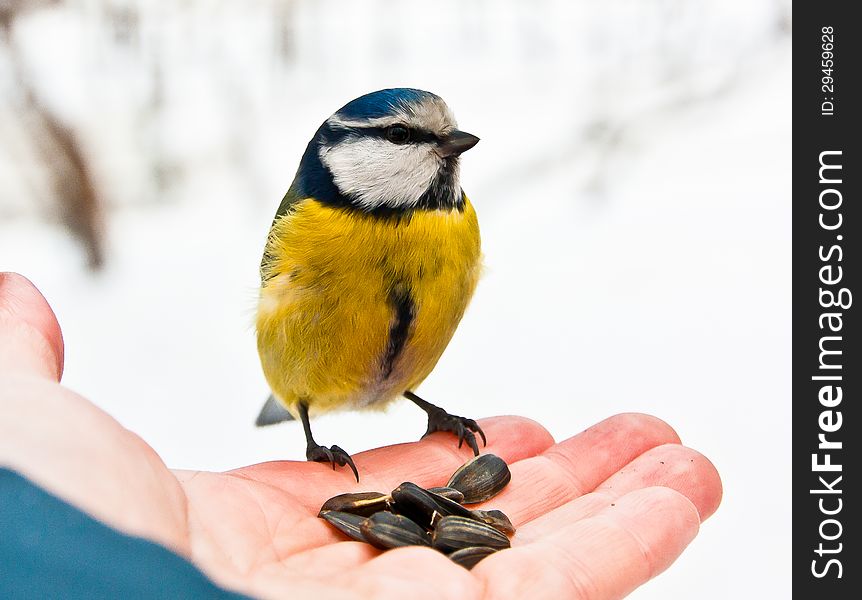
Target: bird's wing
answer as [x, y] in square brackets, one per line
[272, 412]
[290, 198]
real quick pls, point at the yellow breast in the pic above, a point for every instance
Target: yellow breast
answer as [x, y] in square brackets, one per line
[355, 309]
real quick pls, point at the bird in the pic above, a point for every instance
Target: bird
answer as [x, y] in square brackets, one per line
[371, 260]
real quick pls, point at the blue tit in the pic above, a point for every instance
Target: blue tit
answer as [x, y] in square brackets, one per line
[370, 263]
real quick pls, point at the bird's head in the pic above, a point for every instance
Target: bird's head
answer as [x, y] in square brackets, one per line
[394, 149]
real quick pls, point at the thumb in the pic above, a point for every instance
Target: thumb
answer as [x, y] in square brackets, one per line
[30, 337]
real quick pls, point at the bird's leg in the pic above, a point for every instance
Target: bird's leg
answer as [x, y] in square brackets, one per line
[317, 453]
[440, 420]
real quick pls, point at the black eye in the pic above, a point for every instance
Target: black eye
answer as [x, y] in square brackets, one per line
[398, 134]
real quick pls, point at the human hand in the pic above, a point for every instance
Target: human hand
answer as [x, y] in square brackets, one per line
[597, 514]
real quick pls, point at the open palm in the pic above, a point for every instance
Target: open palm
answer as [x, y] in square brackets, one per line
[597, 514]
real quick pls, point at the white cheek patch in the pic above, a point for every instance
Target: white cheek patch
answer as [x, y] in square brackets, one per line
[379, 173]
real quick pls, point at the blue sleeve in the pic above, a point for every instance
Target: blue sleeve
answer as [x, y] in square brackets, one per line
[49, 549]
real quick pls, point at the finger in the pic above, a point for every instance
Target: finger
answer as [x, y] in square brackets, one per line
[671, 465]
[682, 469]
[604, 556]
[428, 462]
[577, 465]
[30, 338]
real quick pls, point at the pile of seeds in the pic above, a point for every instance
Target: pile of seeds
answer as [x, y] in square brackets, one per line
[435, 517]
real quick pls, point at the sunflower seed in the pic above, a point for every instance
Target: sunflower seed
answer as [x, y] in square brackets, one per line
[481, 478]
[385, 530]
[422, 506]
[496, 519]
[454, 533]
[347, 523]
[469, 557]
[361, 503]
[447, 492]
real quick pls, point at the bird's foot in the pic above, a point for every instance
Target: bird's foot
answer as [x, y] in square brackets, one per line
[440, 420]
[333, 455]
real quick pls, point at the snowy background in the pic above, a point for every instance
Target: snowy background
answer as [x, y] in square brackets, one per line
[632, 185]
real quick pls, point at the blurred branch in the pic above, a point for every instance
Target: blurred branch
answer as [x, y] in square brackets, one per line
[79, 203]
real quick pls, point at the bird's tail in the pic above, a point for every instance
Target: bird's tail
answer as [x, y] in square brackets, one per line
[272, 412]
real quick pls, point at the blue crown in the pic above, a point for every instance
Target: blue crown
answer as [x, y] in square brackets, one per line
[381, 103]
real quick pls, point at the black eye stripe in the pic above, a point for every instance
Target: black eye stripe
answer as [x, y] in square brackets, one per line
[417, 136]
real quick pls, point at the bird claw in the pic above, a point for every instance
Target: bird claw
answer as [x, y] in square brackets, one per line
[440, 420]
[332, 455]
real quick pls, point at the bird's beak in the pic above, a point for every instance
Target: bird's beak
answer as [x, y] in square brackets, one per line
[455, 143]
